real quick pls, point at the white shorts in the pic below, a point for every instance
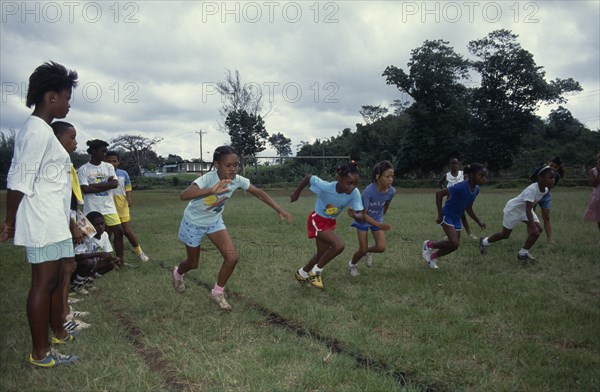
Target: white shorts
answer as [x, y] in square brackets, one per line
[512, 218]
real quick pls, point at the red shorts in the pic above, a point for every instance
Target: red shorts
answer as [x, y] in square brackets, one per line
[317, 223]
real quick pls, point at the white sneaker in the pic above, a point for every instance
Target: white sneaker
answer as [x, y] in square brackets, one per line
[353, 269]
[433, 264]
[72, 300]
[177, 283]
[142, 256]
[220, 300]
[426, 252]
[76, 314]
[369, 260]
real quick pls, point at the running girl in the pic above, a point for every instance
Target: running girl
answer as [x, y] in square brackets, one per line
[460, 198]
[203, 217]
[376, 199]
[451, 178]
[520, 209]
[332, 198]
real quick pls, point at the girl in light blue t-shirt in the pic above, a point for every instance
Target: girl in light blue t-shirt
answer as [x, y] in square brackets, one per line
[332, 198]
[203, 217]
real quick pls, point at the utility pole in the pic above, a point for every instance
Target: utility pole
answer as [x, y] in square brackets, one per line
[201, 159]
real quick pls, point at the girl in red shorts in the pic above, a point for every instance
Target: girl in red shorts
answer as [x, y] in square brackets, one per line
[332, 198]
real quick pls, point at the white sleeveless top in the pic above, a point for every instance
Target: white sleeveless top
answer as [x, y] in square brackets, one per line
[452, 180]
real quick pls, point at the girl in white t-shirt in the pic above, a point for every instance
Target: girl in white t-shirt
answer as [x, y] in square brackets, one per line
[203, 217]
[520, 209]
[97, 179]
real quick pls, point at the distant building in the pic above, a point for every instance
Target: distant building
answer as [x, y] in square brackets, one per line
[186, 167]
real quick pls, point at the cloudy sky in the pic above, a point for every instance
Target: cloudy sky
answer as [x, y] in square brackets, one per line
[151, 67]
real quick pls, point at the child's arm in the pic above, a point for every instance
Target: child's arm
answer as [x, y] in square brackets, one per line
[265, 198]
[128, 198]
[111, 183]
[594, 180]
[296, 194]
[385, 207]
[529, 213]
[442, 181]
[13, 200]
[194, 191]
[469, 210]
[362, 216]
[439, 196]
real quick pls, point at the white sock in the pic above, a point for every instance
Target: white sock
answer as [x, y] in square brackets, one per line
[351, 265]
[316, 270]
[485, 242]
[303, 273]
[523, 252]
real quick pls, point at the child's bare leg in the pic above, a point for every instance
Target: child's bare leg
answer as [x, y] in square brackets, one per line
[69, 267]
[117, 232]
[335, 246]
[191, 262]
[445, 247]
[362, 247]
[532, 236]
[224, 243]
[379, 246]
[44, 281]
[58, 301]
[127, 232]
[502, 235]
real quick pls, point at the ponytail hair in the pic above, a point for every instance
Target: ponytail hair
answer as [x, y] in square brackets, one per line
[220, 152]
[473, 168]
[347, 168]
[95, 144]
[380, 168]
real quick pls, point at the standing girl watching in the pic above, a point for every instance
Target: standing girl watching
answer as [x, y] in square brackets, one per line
[332, 198]
[37, 208]
[376, 199]
[520, 209]
[460, 198]
[203, 217]
[451, 178]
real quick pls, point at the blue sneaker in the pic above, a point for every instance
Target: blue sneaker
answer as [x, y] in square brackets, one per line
[53, 358]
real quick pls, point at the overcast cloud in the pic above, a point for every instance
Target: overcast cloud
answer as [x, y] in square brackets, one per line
[150, 67]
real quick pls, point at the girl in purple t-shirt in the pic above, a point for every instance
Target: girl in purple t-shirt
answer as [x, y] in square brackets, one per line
[376, 199]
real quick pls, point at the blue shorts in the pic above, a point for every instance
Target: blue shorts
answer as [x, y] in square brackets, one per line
[192, 235]
[50, 252]
[545, 201]
[452, 221]
[364, 226]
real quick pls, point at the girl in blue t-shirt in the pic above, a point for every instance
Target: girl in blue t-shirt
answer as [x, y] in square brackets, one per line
[332, 198]
[203, 217]
[460, 198]
[376, 199]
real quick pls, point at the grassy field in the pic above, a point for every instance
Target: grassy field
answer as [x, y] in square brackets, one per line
[478, 323]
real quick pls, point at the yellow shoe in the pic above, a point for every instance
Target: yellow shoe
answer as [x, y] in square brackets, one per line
[302, 280]
[315, 279]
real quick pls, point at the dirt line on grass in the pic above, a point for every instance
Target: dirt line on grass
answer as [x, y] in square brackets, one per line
[152, 357]
[334, 345]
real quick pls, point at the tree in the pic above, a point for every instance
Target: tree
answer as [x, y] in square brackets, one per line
[372, 113]
[512, 88]
[139, 150]
[440, 112]
[281, 144]
[247, 133]
[238, 96]
[173, 158]
[7, 147]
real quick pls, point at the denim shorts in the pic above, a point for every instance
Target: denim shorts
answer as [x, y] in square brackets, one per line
[546, 201]
[192, 235]
[50, 252]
